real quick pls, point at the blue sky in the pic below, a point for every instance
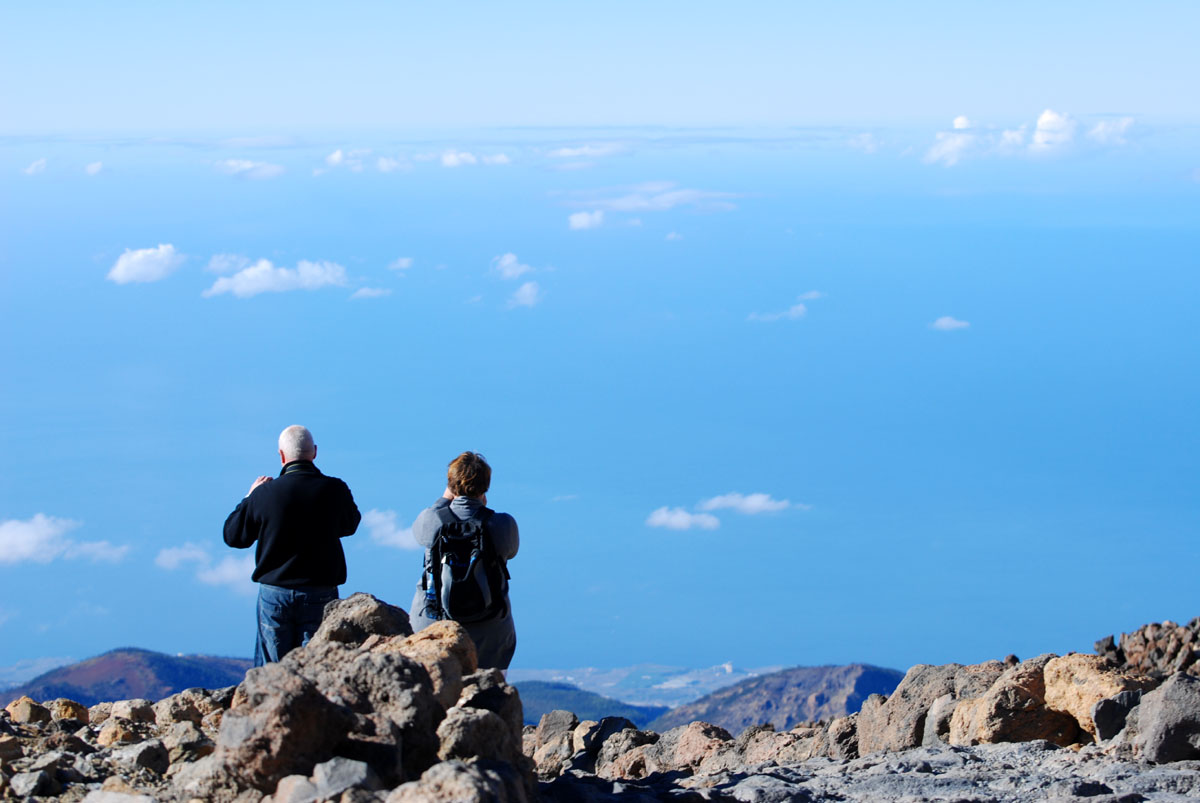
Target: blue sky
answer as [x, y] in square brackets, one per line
[794, 335]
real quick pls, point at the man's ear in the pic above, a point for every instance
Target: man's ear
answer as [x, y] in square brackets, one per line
[314, 451]
[282, 459]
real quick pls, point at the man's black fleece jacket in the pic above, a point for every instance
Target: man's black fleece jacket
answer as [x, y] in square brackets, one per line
[297, 520]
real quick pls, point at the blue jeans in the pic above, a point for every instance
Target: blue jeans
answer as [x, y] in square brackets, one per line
[287, 618]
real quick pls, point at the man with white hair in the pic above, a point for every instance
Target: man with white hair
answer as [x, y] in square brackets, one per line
[298, 520]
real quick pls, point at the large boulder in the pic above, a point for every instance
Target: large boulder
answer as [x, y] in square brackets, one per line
[1075, 683]
[554, 742]
[447, 653]
[359, 616]
[687, 747]
[25, 710]
[284, 727]
[1013, 710]
[898, 722]
[623, 755]
[474, 733]
[488, 690]
[1166, 725]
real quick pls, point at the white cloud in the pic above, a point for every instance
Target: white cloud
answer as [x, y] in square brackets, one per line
[403, 263]
[94, 168]
[527, 295]
[947, 323]
[145, 264]
[263, 277]
[42, 539]
[948, 148]
[1012, 139]
[676, 518]
[585, 220]
[660, 196]
[509, 266]
[244, 168]
[458, 159]
[370, 292]
[1111, 132]
[811, 295]
[750, 504]
[386, 164]
[497, 159]
[673, 236]
[865, 142]
[227, 263]
[588, 151]
[231, 571]
[961, 123]
[1053, 131]
[383, 529]
[35, 168]
[336, 158]
[791, 313]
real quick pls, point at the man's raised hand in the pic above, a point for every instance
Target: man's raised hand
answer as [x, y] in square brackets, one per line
[262, 480]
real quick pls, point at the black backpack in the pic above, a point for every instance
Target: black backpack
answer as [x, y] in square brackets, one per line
[470, 580]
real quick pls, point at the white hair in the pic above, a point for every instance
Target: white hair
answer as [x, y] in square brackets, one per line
[296, 443]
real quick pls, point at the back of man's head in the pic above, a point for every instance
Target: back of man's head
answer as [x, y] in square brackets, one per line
[296, 443]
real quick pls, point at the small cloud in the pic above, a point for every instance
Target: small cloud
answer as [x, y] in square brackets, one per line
[94, 168]
[1012, 139]
[750, 504]
[370, 292]
[35, 168]
[145, 264]
[660, 196]
[587, 151]
[790, 314]
[676, 518]
[386, 164]
[336, 158]
[673, 236]
[585, 220]
[403, 263]
[948, 324]
[948, 148]
[382, 526]
[509, 267]
[458, 159]
[811, 295]
[234, 572]
[527, 295]
[497, 159]
[244, 168]
[1053, 131]
[263, 277]
[865, 142]
[42, 539]
[961, 123]
[227, 263]
[1111, 132]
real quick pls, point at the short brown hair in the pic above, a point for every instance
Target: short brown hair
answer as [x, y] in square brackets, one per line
[469, 475]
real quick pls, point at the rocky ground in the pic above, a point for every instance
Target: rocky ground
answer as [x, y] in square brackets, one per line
[370, 712]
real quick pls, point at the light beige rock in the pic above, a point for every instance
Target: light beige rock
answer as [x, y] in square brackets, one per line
[117, 730]
[1075, 683]
[581, 736]
[1013, 710]
[445, 650]
[138, 710]
[10, 748]
[176, 708]
[99, 712]
[24, 710]
[62, 708]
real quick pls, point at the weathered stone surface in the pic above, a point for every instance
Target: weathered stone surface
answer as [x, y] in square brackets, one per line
[623, 755]
[685, 748]
[10, 748]
[1075, 683]
[354, 619]
[462, 782]
[24, 710]
[62, 708]
[177, 708]
[1157, 649]
[185, 741]
[117, 730]
[1166, 725]
[285, 727]
[898, 722]
[335, 776]
[1109, 715]
[30, 784]
[99, 712]
[937, 720]
[446, 652]
[150, 754]
[295, 789]
[104, 796]
[589, 736]
[487, 690]
[138, 710]
[553, 743]
[474, 733]
[1013, 710]
[210, 779]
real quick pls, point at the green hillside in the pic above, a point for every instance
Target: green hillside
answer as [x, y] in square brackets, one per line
[541, 697]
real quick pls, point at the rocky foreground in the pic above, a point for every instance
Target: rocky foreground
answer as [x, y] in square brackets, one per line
[370, 712]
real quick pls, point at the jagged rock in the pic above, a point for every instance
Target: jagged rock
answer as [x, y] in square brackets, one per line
[685, 748]
[10, 748]
[150, 754]
[62, 708]
[99, 712]
[447, 653]
[1157, 649]
[339, 774]
[1013, 710]
[1109, 715]
[354, 619]
[138, 710]
[212, 720]
[179, 707]
[69, 743]
[553, 742]
[1165, 726]
[117, 730]
[285, 727]
[486, 689]
[30, 784]
[210, 779]
[24, 710]
[623, 755]
[937, 720]
[294, 789]
[898, 722]
[472, 733]
[589, 736]
[463, 782]
[186, 742]
[1076, 683]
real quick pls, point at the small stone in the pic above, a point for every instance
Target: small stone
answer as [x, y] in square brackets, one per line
[176, 708]
[24, 710]
[31, 784]
[99, 712]
[339, 774]
[137, 710]
[117, 731]
[10, 748]
[186, 742]
[62, 708]
[150, 754]
[295, 789]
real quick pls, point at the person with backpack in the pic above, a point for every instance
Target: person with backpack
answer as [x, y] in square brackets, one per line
[467, 549]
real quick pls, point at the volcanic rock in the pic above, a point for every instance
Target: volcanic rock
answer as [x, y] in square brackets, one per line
[1013, 710]
[1166, 725]
[1076, 683]
[359, 616]
[25, 710]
